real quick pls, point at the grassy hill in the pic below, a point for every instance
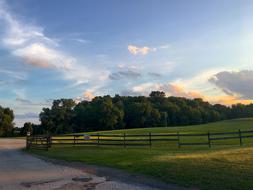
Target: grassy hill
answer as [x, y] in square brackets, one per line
[221, 167]
[221, 126]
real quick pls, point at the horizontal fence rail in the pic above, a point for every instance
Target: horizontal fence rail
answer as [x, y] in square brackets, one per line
[148, 139]
[38, 142]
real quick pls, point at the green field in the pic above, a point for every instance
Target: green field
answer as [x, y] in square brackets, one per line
[225, 166]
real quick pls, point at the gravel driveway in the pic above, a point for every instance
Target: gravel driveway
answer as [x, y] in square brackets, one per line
[21, 171]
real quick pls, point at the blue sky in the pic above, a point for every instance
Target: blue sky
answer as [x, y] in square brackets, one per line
[83, 48]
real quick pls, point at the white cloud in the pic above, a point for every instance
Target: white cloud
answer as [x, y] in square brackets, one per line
[31, 44]
[139, 50]
[135, 50]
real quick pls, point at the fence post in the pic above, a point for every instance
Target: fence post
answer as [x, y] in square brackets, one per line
[27, 143]
[47, 138]
[209, 140]
[178, 140]
[124, 140]
[150, 140]
[50, 141]
[98, 139]
[74, 140]
[240, 137]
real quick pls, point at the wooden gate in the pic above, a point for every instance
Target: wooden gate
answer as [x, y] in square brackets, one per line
[38, 142]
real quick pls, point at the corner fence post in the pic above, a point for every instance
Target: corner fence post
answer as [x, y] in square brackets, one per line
[150, 140]
[240, 137]
[209, 140]
[178, 140]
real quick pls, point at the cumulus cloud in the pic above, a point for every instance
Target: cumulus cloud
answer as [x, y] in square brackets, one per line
[238, 83]
[88, 95]
[169, 88]
[30, 43]
[128, 74]
[176, 90]
[139, 50]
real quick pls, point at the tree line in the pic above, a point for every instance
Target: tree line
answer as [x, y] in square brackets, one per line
[6, 122]
[125, 112]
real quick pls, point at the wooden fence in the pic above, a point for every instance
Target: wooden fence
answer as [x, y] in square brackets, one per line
[38, 142]
[127, 140]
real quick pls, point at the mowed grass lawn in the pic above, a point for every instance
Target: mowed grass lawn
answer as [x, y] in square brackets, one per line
[221, 167]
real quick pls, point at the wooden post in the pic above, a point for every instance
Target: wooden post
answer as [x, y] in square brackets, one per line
[124, 140]
[98, 138]
[178, 140]
[27, 143]
[47, 141]
[240, 137]
[150, 140]
[209, 140]
[50, 141]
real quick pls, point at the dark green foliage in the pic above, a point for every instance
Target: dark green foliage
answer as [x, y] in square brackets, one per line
[28, 127]
[124, 112]
[59, 118]
[6, 121]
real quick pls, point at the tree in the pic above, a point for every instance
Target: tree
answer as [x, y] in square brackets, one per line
[6, 121]
[59, 118]
[28, 127]
[137, 114]
[118, 112]
[157, 94]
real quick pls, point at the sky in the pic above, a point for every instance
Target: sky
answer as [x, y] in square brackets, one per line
[85, 48]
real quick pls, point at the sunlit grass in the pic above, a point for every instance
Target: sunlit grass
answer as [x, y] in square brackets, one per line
[225, 166]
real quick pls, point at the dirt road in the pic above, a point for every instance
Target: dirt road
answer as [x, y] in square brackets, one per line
[21, 171]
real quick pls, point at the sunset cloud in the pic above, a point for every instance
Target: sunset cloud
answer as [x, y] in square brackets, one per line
[170, 89]
[237, 83]
[88, 95]
[139, 50]
[29, 43]
[228, 100]
[136, 50]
